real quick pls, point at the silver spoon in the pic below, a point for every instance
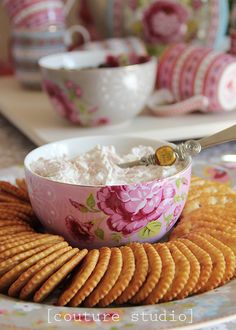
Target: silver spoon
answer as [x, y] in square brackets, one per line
[167, 155]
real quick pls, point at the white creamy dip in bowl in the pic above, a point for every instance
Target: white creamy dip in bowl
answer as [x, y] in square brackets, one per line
[77, 190]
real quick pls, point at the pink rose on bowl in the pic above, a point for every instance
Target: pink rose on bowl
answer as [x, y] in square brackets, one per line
[130, 208]
[165, 21]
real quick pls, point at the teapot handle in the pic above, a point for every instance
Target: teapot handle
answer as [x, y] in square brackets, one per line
[76, 29]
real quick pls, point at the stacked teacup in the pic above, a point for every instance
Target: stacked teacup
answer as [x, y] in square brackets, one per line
[38, 29]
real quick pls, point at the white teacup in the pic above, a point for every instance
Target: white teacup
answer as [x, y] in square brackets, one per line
[90, 96]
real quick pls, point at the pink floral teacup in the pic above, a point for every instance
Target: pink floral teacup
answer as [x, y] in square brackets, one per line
[194, 78]
[94, 216]
[90, 96]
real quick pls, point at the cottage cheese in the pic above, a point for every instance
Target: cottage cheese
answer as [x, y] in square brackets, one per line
[99, 167]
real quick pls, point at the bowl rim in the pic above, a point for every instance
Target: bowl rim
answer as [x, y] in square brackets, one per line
[27, 166]
[43, 66]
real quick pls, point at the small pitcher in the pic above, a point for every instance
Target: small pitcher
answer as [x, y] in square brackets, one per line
[37, 14]
[28, 47]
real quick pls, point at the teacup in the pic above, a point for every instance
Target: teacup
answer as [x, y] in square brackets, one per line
[194, 78]
[88, 95]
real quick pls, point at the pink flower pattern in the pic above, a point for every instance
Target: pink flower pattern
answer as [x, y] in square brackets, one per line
[165, 21]
[60, 101]
[81, 231]
[130, 208]
[63, 100]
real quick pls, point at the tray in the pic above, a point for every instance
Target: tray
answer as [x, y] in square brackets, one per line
[31, 112]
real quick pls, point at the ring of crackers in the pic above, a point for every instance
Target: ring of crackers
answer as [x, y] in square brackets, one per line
[199, 256]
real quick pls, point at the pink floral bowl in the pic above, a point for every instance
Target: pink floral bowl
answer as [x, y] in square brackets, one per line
[94, 216]
[87, 95]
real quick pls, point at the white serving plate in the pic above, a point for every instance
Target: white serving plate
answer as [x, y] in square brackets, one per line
[31, 112]
[213, 310]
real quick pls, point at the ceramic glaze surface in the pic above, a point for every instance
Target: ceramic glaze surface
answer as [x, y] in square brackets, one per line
[92, 96]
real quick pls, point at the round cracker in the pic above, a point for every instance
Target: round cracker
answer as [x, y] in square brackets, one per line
[7, 264]
[13, 222]
[6, 197]
[9, 277]
[55, 279]
[226, 238]
[108, 280]
[218, 261]
[7, 214]
[140, 273]
[184, 229]
[19, 207]
[167, 275]
[32, 270]
[29, 245]
[14, 229]
[213, 215]
[209, 199]
[11, 237]
[13, 243]
[94, 279]
[10, 241]
[13, 190]
[182, 272]
[21, 183]
[200, 182]
[42, 275]
[208, 188]
[154, 273]
[204, 260]
[128, 268]
[194, 270]
[230, 259]
[79, 279]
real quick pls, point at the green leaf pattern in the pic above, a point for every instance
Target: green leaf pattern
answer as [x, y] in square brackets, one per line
[99, 232]
[150, 230]
[90, 202]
